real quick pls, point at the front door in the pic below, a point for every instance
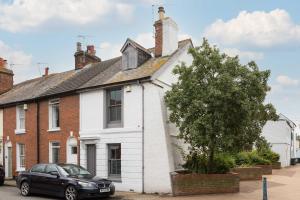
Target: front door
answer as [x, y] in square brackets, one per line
[91, 158]
[9, 162]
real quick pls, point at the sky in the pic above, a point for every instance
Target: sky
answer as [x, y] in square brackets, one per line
[35, 34]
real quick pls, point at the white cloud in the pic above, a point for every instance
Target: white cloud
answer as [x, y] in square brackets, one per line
[145, 39]
[259, 28]
[25, 14]
[19, 61]
[109, 50]
[286, 81]
[248, 55]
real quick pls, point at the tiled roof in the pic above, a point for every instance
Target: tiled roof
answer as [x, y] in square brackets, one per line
[93, 75]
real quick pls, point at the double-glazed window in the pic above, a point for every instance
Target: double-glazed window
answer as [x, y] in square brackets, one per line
[114, 107]
[114, 160]
[54, 152]
[54, 114]
[20, 117]
[20, 157]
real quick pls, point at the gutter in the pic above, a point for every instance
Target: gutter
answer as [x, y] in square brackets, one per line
[143, 136]
[38, 130]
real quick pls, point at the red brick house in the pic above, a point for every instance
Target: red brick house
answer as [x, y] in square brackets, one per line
[41, 116]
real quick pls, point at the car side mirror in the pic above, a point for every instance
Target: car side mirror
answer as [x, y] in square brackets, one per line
[55, 173]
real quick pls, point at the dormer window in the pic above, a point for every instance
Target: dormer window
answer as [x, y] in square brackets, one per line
[133, 55]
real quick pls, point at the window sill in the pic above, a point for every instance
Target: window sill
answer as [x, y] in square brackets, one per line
[19, 169]
[115, 179]
[20, 131]
[54, 130]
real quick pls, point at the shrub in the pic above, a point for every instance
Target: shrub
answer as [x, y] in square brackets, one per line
[197, 163]
[270, 155]
[250, 159]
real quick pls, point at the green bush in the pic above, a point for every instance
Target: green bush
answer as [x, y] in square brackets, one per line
[197, 163]
[250, 159]
[270, 155]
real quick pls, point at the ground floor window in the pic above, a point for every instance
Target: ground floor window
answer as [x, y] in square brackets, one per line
[20, 156]
[114, 160]
[54, 152]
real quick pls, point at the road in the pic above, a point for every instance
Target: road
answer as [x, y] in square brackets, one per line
[282, 185]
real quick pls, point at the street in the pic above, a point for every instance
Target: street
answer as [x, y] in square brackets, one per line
[283, 184]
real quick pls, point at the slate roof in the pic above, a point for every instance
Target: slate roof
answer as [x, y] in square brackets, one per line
[93, 75]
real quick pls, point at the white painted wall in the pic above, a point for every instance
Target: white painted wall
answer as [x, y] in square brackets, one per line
[170, 36]
[278, 133]
[160, 154]
[130, 136]
[1, 137]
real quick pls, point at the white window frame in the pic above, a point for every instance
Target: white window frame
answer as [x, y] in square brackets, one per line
[51, 151]
[18, 155]
[50, 109]
[19, 129]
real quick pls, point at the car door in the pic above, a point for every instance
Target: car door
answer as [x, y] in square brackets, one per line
[53, 183]
[37, 174]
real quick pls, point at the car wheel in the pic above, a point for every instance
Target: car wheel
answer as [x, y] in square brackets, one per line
[71, 193]
[25, 189]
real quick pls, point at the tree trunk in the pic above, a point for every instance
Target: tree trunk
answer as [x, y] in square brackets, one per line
[211, 156]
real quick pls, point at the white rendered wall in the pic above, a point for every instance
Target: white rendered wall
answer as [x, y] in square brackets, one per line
[130, 136]
[278, 133]
[170, 36]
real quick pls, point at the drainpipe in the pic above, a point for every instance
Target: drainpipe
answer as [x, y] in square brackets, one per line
[143, 136]
[38, 130]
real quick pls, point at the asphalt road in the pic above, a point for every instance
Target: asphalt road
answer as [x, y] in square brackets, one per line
[12, 193]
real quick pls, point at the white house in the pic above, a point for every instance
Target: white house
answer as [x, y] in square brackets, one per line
[282, 137]
[124, 129]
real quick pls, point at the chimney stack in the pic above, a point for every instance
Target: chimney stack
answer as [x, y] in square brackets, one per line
[83, 58]
[166, 34]
[6, 77]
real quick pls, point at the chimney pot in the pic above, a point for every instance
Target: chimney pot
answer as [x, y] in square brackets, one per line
[79, 46]
[91, 49]
[46, 71]
[161, 12]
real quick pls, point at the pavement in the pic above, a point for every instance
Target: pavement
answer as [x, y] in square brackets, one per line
[284, 184]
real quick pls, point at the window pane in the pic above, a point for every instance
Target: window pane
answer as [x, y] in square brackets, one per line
[73, 150]
[55, 155]
[55, 115]
[118, 113]
[38, 168]
[114, 160]
[113, 114]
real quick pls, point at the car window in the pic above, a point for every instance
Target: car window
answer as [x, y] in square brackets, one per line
[51, 168]
[38, 168]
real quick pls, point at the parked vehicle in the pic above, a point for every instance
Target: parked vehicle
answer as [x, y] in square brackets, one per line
[63, 180]
[2, 175]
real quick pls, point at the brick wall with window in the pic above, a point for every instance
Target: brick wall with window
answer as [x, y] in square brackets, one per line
[59, 117]
[28, 137]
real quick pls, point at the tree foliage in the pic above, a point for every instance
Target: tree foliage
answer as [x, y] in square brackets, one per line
[218, 103]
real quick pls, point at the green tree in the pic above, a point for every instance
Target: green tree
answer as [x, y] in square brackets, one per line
[218, 103]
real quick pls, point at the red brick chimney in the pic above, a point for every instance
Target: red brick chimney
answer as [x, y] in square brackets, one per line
[82, 58]
[166, 34]
[6, 77]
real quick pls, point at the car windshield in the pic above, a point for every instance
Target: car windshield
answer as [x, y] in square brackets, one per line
[74, 170]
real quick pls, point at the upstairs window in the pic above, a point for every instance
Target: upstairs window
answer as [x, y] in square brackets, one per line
[54, 114]
[20, 118]
[114, 107]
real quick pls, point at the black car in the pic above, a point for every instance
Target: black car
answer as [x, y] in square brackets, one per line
[2, 175]
[63, 180]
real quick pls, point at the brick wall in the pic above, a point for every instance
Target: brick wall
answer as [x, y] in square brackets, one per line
[6, 81]
[193, 184]
[28, 138]
[69, 121]
[158, 38]
[249, 173]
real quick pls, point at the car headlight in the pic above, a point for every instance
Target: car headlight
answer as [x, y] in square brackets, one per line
[87, 184]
